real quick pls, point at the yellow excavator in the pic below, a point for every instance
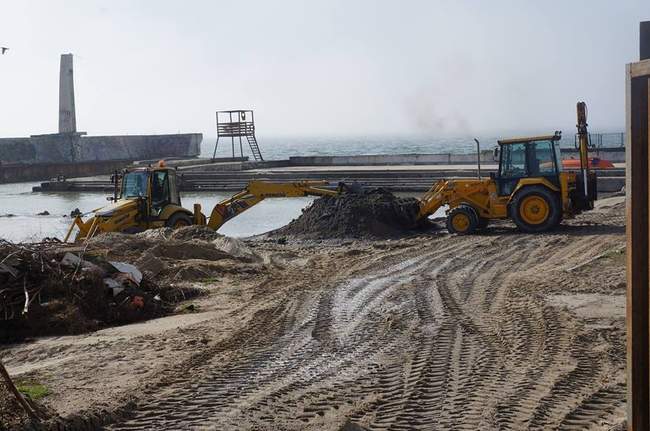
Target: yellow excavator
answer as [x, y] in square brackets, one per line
[148, 198]
[530, 187]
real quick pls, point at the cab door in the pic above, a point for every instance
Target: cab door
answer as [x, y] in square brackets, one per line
[160, 192]
[543, 162]
[512, 167]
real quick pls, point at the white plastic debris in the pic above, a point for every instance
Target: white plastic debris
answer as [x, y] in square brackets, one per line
[70, 259]
[114, 285]
[127, 268]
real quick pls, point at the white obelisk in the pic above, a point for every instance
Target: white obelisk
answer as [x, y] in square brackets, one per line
[67, 118]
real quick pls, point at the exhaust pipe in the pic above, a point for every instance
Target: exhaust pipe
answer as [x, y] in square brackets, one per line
[478, 157]
[583, 139]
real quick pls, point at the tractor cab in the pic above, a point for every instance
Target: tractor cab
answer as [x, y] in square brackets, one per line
[521, 158]
[155, 187]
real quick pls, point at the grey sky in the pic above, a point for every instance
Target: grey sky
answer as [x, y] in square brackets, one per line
[319, 67]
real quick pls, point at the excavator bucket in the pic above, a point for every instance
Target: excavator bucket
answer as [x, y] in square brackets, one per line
[350, 188]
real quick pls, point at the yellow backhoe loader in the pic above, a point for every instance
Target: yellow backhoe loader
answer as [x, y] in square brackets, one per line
[530, 187]
[148, 198]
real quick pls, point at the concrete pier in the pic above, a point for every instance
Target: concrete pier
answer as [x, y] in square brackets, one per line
[614, 155]
[393, 178]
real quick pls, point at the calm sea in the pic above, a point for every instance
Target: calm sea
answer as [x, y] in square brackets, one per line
[19, 201]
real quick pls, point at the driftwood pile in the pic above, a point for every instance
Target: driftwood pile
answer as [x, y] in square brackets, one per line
[51, 288]
[26, 270]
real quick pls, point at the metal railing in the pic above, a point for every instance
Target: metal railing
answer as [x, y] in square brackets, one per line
[238, 124]
[604, 140]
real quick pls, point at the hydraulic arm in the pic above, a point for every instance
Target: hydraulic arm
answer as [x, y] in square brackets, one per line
[583, 140]
[257, 191]
[456, 192]
[136, 209]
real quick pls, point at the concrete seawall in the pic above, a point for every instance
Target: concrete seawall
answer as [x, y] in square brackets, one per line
[402, 179]
[487, 157]
[34, 172]
[73, 154]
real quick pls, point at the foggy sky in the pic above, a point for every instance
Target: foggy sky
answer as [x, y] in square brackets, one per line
[440, 68]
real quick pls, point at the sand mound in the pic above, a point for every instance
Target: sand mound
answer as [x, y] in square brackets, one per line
[186, 233]
[235, 248]
[184, 254]
[191, 242]
[373, 213]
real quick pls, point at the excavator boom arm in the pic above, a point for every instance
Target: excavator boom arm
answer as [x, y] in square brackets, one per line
[433, 199]
[257, 191]
[453, 193]
[583, 140]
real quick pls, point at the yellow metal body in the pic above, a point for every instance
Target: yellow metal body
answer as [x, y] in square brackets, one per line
[134, 214]
[121, 216]
[256, 191]
[481, 194]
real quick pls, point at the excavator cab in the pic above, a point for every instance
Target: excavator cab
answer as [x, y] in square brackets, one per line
[535, 157]
[156, 191]
[156, 187]
[143, 198]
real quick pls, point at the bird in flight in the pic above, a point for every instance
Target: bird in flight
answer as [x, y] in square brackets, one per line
[4, 49]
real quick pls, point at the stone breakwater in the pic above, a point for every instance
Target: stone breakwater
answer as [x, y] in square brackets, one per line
[73, 154]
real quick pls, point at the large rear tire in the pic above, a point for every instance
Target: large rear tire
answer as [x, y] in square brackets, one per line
[462, 220]
[179, 219]
[535, 209]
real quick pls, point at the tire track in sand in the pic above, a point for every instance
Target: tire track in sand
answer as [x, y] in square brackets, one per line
[427, 338]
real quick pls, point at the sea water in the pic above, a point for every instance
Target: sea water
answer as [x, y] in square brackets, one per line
[19, 206]
[276, 148]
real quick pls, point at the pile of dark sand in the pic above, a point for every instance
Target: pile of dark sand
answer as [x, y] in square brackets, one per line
[372, 214]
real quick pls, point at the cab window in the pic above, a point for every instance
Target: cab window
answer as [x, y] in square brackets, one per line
[159, 191]
[542, 158]
[174, 196]
[134, 185]
[513, 157]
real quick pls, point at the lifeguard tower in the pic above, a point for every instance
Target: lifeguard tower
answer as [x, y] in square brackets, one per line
[237, 124]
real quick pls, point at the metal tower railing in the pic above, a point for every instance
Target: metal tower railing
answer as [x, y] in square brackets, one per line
[237, 124]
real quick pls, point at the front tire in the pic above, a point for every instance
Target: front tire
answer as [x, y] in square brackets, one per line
[535, 209]
[178, 219]
[462, 220]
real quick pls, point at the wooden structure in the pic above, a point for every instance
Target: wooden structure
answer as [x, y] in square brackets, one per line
[237, 124]
[638, 230]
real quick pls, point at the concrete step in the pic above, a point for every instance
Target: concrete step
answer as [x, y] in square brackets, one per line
[207, 183]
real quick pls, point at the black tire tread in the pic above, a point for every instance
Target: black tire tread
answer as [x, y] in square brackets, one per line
[554, 205]
[471, 212]
[178, 215]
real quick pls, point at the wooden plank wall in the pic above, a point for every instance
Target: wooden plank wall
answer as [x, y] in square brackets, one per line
[637, 199]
